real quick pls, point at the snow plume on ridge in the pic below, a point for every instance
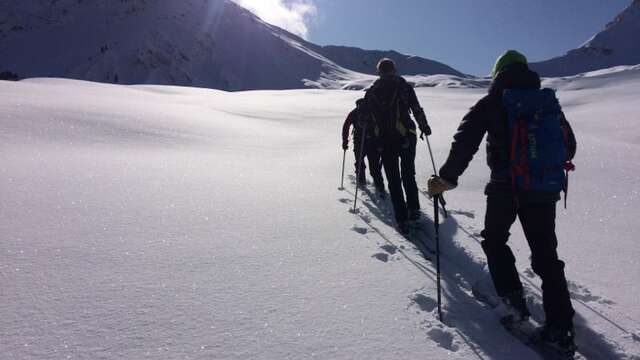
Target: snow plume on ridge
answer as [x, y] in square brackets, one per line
[291, 15]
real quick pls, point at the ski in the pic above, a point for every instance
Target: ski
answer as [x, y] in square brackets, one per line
[527, 332]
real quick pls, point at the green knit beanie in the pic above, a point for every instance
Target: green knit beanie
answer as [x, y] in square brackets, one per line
[506, 59]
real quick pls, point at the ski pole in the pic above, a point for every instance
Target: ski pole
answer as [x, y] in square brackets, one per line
[436, 223]
[440, 198]
[359, 172]
[344, 157]
[566, 188]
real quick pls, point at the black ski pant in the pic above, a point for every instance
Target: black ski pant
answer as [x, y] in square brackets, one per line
[538, 223]
[373, 156]
[400, 168]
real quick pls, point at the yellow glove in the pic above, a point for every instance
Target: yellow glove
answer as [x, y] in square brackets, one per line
[438, 185]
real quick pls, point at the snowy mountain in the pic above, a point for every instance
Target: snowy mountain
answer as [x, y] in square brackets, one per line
[204, 43]
[364, 61]
[617, 44]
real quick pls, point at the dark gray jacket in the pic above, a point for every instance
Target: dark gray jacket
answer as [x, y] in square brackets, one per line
[489, 116]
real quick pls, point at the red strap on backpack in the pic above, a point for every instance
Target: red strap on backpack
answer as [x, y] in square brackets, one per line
[519, 165]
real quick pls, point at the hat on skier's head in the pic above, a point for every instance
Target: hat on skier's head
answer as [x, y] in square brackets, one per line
[386, 66]
[508, 58]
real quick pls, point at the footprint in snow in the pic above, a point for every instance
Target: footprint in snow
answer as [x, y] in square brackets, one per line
[359, 230]
[389, 249]
[381, 256]
[529, 273]
[443, 338]
[582, 293]
[469, 214]
[345, 201]
[436, 331]
[634, 336]
[424, 302]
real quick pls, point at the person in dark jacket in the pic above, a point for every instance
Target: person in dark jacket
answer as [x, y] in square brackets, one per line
[389, 102]
[370, 147]
[536, 210]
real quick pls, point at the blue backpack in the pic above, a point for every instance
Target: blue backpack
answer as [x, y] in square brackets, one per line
[538, 140]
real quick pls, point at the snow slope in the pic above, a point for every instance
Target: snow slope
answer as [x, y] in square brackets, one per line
[617, 44]
[204, 43]
[182, 223]
[348, 80]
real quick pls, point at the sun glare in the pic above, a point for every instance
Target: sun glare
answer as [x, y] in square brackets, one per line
[290, 15]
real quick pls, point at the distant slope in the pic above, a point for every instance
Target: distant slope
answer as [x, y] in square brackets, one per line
[213, 44]
[365, 61]
[204, 43]
[618, 44]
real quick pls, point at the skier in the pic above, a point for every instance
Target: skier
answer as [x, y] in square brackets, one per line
[507, 197]
[388, 102]
[371, 149]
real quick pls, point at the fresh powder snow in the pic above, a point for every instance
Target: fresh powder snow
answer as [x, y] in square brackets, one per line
[159, 222]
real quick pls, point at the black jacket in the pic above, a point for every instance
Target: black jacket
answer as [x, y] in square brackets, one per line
[379, 101]
[489, 116]
[356, 120]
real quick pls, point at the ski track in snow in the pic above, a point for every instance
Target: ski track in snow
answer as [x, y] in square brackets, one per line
[591, 345]
[166, 222]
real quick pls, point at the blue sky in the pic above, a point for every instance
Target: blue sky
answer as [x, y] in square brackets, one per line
[466, 34]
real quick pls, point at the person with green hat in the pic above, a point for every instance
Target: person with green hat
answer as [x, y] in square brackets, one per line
[508, 199]
[510, 57]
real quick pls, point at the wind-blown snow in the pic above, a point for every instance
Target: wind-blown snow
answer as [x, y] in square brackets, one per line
[166, 222]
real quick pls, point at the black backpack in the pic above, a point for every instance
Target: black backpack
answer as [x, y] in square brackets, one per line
[386, 106]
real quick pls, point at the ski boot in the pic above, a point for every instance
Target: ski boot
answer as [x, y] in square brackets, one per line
[362, 181]
[414, 215]
[514, 309]
[559, 339]
[404, 228]
[381, 191]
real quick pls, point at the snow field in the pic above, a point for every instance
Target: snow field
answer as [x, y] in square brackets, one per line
[166, 222]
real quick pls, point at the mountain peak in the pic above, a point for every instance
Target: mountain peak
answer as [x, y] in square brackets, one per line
[206, 43]
[617, 44]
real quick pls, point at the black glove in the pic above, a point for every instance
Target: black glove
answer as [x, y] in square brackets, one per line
[425, 129]
[345, 146]
[421, 119]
